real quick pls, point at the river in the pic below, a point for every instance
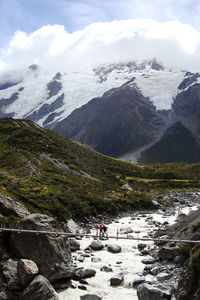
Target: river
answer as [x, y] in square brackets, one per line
[128, 262]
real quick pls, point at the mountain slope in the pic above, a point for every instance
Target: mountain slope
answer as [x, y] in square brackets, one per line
[177, 144]
[52, 174]
[121, 120]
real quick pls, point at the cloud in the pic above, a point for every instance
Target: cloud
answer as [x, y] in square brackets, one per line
[52, 47]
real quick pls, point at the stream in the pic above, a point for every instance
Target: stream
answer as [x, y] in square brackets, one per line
[128, 261]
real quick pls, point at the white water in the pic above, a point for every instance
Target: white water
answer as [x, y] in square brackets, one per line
[130, 257]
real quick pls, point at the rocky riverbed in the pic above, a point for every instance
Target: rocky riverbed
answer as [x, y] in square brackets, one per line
[41, 266]
[130, 269]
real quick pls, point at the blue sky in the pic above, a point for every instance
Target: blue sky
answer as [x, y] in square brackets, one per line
[29, 15]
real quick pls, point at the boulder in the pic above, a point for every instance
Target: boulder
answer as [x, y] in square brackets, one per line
[106, 269]
[96, 245]
[114, 248]
[27, 270]
[8, 207]
[141, 246]
[117, 279]
[51, 253]
[74, 245]
[137, 281]
[126, 230]
[84, 273]
[162, 276]
[39, 288]
[154, 271]
[148, 261]
[167, 253]
[91, 297]
[146, 291]
[10, 274]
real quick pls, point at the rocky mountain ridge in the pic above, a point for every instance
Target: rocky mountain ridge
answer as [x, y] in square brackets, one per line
[126, 124]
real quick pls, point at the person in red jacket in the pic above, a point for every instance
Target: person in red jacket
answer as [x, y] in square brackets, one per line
[101, 230]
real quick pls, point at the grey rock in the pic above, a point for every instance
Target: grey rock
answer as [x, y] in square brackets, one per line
[8, 206]
[74, 245]
[27, 270]
[106, 269]
[126, 230]
[84, 273]
[51, 253]
[91, 297]
[117, 279]
[39, 288]
[4, 296]
[96, 245]
[141, 246]
[10, 274]
[154, 271]
[114, 248]
[137, 281]
[149, 260]
[146, 291]
[167, 253]
[163, 276]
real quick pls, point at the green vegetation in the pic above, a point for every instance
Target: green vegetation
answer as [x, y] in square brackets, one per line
[52, 174]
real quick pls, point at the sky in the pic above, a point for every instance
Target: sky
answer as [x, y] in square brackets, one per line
[74, 33]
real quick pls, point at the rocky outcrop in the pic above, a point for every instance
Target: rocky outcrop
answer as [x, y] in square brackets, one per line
[9, 206]
[50, 252]
[39, 288]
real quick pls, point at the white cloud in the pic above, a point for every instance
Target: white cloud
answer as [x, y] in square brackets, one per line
[174, 43]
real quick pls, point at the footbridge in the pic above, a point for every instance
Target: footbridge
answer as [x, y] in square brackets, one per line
[17, 230]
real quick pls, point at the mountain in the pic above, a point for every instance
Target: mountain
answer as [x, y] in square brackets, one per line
[177, 144]
[119, 109]
[119, 121]
[55, 175]
[48, 97]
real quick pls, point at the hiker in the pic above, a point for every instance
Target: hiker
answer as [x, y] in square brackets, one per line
[105, 228]
[101, 232]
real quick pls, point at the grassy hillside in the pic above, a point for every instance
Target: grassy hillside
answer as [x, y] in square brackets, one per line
[52, 174]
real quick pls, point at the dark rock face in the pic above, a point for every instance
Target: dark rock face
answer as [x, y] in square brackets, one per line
[51, 253]
[186, 107]
[149, 292]
[39, 288]
[10, 274]
[8, 101]
[177, 144]
[45, 109]
[6, 85]
[96, 245]
[50, 119]
[121, 120]
[188, 81]
[54, 87]
[84, 273]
